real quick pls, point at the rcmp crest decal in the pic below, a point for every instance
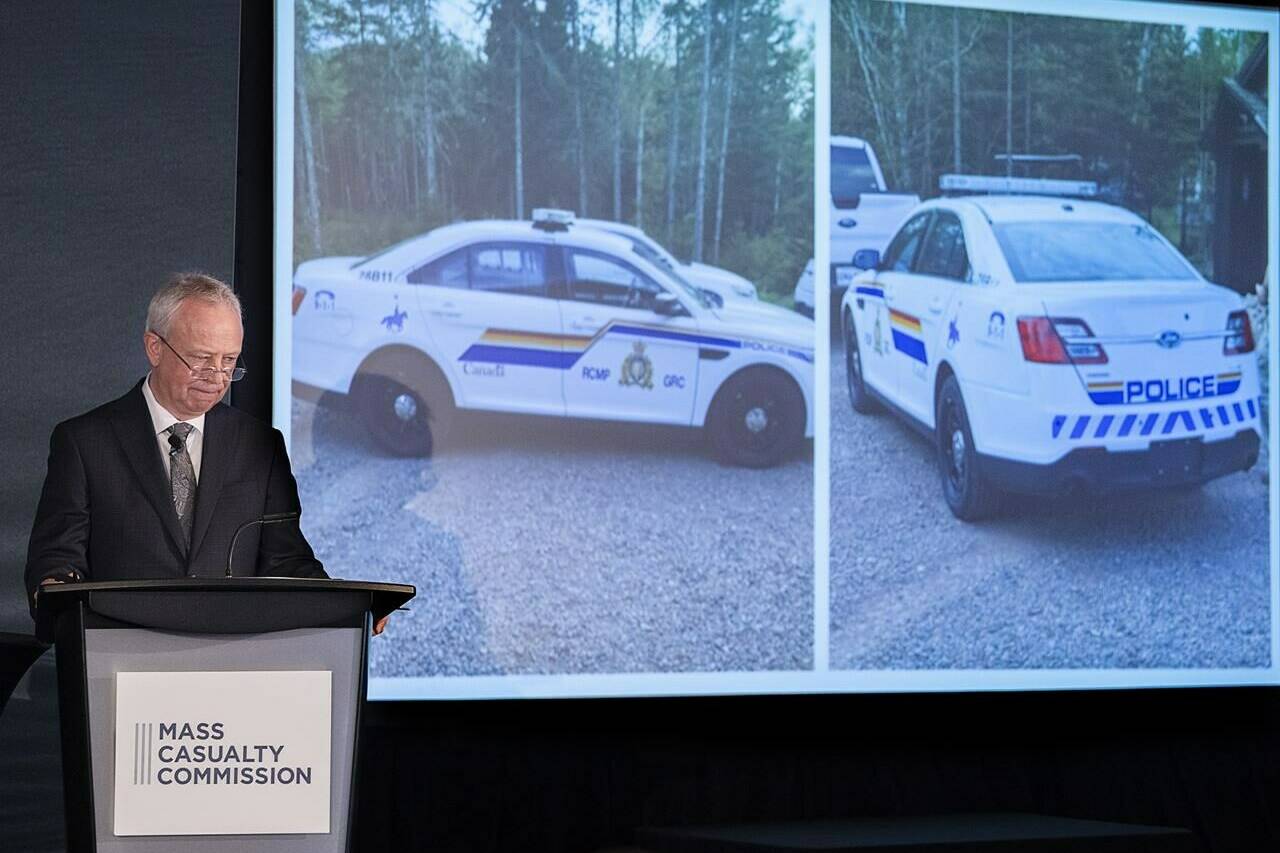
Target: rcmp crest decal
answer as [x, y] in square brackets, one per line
[636, 368]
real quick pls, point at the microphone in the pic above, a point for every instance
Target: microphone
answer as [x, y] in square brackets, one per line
[272, 518]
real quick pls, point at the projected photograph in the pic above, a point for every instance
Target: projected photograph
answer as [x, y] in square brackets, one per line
[546, 359]
[1049, 344]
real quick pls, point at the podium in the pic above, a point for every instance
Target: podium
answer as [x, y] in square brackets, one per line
[209, 715]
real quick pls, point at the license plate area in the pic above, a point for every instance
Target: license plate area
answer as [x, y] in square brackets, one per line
[1177, 460]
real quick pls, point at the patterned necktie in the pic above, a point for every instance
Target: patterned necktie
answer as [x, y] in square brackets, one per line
[182, 476]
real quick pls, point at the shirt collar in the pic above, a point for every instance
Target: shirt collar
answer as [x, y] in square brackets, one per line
[161, 418]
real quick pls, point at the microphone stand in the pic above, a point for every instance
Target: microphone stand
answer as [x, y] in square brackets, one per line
[273, 518]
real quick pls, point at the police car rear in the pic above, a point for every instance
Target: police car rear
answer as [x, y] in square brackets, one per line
[1139, 372]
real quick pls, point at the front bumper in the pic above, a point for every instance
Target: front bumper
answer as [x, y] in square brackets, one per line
[1175, 462]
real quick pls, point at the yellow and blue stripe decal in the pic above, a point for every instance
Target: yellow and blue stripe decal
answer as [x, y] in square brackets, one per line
[1106, 393]
[1228, 382]
[906, 335]
[561, 352]
[1162, 424]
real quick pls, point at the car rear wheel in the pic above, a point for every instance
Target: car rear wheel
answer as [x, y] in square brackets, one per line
[402, 420]
[862, 401]
[967, 492]
[756, 419]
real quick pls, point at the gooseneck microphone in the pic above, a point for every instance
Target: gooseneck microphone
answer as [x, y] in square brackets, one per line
[273, 518]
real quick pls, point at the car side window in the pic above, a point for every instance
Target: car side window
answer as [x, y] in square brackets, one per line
[517, 268]
[601, 278]
[447, 271]
[943, 252]
[906, 245]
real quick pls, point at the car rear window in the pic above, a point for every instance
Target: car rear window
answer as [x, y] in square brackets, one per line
[1088, 251]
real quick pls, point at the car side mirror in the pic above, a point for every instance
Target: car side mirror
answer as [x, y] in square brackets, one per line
[667, 305]
[866, 259]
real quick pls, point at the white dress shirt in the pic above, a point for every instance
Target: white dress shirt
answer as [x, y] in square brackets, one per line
[161, 419]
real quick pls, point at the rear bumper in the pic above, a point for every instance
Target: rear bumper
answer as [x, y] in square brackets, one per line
[1165, 463]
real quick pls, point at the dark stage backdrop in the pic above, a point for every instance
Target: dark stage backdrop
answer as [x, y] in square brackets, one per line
[118, 154]
[117, 167]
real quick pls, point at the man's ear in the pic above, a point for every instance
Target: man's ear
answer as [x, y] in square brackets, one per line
[151, 344]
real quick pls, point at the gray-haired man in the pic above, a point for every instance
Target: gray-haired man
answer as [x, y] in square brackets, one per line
[155, 483]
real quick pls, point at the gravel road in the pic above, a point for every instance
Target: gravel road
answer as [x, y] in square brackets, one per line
[1173, 579]
[549, 546]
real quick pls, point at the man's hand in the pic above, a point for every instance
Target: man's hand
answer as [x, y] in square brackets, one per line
[380, 625]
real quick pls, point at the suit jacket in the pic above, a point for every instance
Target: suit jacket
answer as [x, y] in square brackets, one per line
[106, 511]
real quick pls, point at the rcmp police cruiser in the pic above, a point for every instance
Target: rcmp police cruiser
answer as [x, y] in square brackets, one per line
[1049, 344]
[545, 318]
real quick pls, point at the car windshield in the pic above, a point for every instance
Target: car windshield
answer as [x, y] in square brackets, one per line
[851, 173]
[651, 255]
[1088, 251]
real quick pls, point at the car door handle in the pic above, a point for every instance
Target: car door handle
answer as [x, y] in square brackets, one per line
[935, 307]
[451, 315]
[586, 324]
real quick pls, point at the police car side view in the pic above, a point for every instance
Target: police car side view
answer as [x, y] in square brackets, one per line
[1050, 345]
[549, 319]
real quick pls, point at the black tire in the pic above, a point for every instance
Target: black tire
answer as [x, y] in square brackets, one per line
[861, 399]
[403, 421]
[967, 492]
[756, 419]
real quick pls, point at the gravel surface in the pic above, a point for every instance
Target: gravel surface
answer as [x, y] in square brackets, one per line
[1147, 580]
[552, 546]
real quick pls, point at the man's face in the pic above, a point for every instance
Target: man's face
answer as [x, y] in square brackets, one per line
[206, 335]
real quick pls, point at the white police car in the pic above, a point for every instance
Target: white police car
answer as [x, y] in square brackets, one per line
[547, 319]
[722, 284]
[1049, 344]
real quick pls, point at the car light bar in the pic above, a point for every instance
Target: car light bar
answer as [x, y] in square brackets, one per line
[1016, 186]
[553, 215]
[1239, 339]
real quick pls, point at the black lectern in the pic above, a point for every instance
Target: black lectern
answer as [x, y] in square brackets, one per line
[203, 715]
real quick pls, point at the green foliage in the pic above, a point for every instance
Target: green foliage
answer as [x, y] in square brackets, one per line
[388, 87]
[1132, 99]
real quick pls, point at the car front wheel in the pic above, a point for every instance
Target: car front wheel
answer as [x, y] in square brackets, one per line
[967, 492]
[756, 419]
[400, 418]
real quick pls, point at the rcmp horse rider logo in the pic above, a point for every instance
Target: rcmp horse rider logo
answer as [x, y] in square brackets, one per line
[636, 368]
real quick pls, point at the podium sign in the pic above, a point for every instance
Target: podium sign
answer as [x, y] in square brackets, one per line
[221, 753]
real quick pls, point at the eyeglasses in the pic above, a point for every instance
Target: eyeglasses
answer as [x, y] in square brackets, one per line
[231, 374]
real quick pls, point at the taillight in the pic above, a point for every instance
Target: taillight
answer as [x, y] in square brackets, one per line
[1239, 337]
[299, 293]
[1054, 341]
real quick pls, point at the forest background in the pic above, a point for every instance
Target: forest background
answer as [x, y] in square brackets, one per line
[938, 90]
[691, 120]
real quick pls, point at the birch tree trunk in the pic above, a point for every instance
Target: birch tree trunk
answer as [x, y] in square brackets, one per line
[519, 120]
[1008, 97]
[673, 140]
[724, 130]
[428, 106]
[617, 111]
[956, 163]
[308, 150]
[580, 142]
[704, 98]
[644, 103]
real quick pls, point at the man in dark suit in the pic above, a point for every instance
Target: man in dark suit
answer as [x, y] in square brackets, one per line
[155, 483]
